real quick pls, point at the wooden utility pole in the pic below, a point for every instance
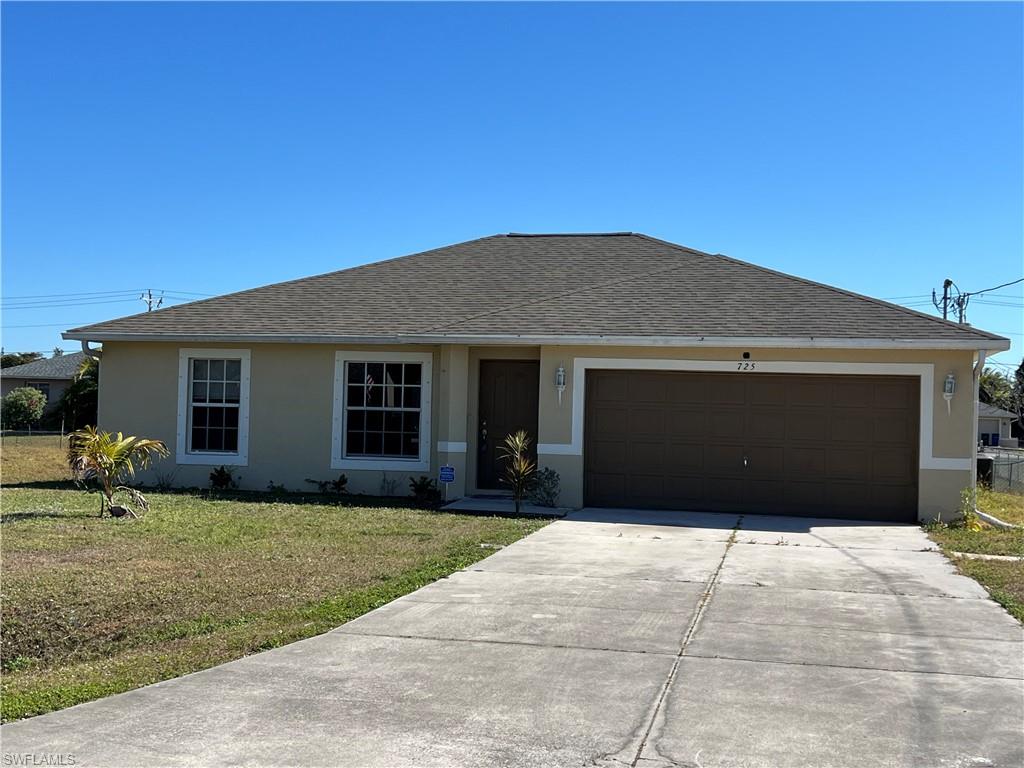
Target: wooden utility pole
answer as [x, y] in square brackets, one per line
[151, 303]
[943, 307]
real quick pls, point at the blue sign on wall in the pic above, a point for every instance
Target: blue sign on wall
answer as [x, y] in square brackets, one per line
[447, 474]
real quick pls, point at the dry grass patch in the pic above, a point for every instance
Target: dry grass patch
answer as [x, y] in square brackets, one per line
[33, 459]
[1008, 507]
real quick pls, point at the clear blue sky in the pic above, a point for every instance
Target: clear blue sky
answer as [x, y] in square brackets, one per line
[209, 148]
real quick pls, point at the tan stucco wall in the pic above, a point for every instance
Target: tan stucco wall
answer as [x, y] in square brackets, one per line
[290, 413]
[291, 402]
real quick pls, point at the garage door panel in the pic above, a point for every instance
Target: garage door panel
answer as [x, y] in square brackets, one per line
[647, 457]
[851, 425]
[723, 491]
[851, 392]
[808, 392]
[688, 391]
[726, 423]
[727, 391]
[606, 456]
[842, 446]
[608, 420]
[804, 461]
[688, 489]
[685, 457]
[764, 461]
[724, 459]
[893, 466]
[765, 423]
[647, 420]
[770, 390]
[645, 487]
[894, 394]
[849, 464]
[606, 486]
[802, 494]
[764, 492]
[686, 422]
[892, 427]
[607, 389]
[647, 388]
[806, 424]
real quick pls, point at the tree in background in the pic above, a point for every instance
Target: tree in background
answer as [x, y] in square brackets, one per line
[996, 388]
[9, 360]
[1018, 400]
[22, 408]
[78, 403]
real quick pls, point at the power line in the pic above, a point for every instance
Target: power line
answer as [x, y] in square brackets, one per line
[1012, 282]
[46, 325]
[89, 294]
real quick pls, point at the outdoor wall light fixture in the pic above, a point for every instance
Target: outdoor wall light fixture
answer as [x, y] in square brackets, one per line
[948, 390]
[560, 382]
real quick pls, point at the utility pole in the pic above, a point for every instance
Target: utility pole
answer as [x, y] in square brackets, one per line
[151, 303]
[944, 306]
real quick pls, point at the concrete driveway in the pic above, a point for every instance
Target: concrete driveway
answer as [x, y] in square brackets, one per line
[613, 639]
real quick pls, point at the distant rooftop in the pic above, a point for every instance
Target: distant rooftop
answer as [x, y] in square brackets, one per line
[57, 367]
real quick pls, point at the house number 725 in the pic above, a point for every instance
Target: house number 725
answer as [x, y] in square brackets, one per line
[745, 366]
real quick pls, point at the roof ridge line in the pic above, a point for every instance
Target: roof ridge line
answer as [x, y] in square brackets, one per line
[543, 299]
[834, 289]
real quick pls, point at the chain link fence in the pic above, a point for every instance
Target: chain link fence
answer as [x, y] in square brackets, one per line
[1007, 471]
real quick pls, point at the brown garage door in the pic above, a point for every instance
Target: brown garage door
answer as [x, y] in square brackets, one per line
[827, 446]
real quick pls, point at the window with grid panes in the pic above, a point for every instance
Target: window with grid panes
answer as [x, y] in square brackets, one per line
[214, 397]
[382, 409]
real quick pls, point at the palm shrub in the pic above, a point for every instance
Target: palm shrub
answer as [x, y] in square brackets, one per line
[519, 467]
[110, 460]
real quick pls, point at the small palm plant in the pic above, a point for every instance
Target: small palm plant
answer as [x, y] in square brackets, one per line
[520, 467]
[111, 459]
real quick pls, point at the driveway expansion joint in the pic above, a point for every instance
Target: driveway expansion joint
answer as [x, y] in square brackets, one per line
[824, 665]
[523, 643]
[687, 636]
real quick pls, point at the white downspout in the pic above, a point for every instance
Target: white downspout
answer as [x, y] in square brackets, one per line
[979, 366]
[93, 353]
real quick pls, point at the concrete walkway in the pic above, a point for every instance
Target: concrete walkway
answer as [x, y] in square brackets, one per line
[613, 639]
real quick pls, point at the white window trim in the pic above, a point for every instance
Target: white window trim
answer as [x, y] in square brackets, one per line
[239, 458]
[338, 458]
[924, 371]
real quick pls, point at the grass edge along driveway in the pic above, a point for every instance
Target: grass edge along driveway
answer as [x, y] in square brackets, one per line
[1003, 579]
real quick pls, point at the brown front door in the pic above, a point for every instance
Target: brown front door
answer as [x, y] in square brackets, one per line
[813, 445]
[508, 402]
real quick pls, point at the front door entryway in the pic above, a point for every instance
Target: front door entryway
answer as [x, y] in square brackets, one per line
[509, 391]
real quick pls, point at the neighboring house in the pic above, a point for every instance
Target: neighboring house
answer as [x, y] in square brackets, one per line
[649, 374]
[51, 376]
[994, 426]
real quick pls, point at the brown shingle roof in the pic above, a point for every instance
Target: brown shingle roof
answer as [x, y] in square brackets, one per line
[546, 286]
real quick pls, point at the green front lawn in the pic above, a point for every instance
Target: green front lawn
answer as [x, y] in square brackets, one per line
[96, 606]
[1004, 579]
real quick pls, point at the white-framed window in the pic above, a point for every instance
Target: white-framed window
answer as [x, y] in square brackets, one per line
[382, 411]
[213, 407]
